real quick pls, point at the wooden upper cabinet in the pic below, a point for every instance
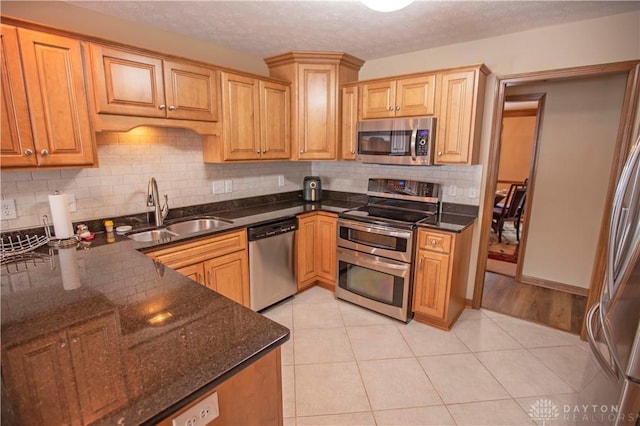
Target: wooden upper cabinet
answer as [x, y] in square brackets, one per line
[60, 133]
[317, 117]
[275, 122]
[459, 116]
[241, 125]
[348, 122]
[316, 77]
[17, 144]
[256, 122]
[127, 83]
[406, 97]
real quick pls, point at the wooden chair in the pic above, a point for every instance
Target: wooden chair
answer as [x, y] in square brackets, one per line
[511, 209]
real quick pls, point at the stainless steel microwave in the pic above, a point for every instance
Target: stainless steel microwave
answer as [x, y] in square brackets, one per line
[400, 141]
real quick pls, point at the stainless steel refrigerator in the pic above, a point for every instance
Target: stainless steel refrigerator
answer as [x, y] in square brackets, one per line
[613, 324]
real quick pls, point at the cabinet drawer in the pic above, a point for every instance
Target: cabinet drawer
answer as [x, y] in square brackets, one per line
[434, 241]
[186, 254]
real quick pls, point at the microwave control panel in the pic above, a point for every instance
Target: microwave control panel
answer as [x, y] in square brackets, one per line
[422, 143]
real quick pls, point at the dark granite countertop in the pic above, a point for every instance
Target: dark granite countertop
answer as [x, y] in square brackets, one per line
[156, 366]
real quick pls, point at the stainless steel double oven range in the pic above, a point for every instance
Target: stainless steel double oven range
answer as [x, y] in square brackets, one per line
[376, 244]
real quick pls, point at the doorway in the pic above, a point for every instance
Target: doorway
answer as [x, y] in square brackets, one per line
[517, 159]
[620, 140]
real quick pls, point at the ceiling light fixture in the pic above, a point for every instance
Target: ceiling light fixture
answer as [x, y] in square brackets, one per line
[386, 5]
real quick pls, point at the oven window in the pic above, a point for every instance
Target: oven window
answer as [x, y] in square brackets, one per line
[396, 142]
[372, 284]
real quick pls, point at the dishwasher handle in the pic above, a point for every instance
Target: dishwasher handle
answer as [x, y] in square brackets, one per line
[272, 229]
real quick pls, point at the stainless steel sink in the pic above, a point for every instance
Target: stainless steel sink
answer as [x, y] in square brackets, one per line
[152, 235]
[192, 226]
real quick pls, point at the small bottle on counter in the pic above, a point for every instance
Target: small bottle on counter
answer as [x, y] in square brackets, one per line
[108, 225]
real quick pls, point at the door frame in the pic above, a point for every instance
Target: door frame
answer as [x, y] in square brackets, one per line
[623, 144]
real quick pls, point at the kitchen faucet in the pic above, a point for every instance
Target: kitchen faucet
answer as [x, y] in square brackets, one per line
[153, 199]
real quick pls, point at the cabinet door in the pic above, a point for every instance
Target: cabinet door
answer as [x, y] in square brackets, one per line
[349, 120]
[195, 272]
[378, 100]
[275, 124]
[191, 91]
[326, 246]
[125, 83]
[95, 357]
[229, 276]
[306, 250]
[39, 373]
[415, 96]
[317, 117]
[431, 284]
[17, 145]
[54, 77]
[240, 100]
[455, 118]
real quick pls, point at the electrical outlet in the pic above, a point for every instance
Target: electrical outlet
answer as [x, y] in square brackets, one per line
[228, 186]
[473, 193]
[8, 209]
[280, 180]
[200, 414]
[453, 190]
[71, 202]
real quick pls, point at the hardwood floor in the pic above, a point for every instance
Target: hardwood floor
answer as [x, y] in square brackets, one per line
[538, 304]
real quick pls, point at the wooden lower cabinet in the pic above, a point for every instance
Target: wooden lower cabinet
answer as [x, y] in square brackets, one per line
[440, 282]
[67, 377]
[251, 397]
[229, 276]
[316, 250]
[220, 262]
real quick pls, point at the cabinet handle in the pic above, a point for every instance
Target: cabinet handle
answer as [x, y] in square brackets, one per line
[390, 108]
[421, 263]
[209, 278]
[264, 152]
[257, 151]
[44, 152]
[302, 151]
[172, 108]
[163, 106]
[439, 153]
[397, 108]
[353, 151]
[63, 344]
[74, 340]
[28, 152]
[434, 242]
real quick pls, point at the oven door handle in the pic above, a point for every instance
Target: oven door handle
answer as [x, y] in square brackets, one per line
[360, 226]
[414, 137]
[372, 262]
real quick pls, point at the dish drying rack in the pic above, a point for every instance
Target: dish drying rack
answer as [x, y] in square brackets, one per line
[18, 249]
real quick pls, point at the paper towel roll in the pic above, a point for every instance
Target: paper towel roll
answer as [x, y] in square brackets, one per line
[69, 268]
[60, 215]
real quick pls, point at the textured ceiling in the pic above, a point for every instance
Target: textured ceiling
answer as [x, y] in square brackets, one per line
[266, 28]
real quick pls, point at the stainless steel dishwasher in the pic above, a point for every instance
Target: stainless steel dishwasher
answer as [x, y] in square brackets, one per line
[271, 265]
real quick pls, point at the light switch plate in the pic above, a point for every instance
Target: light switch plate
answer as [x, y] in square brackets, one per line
[280, 180]
[453, 190]
[71, 201]
[228, 186]
[218, 187]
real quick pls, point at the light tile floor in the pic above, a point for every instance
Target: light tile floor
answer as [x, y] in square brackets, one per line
[345, 365]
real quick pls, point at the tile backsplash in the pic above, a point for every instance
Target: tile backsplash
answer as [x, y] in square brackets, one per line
[174, 157]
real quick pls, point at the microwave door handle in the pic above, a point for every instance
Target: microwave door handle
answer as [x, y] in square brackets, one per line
[414, 136]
